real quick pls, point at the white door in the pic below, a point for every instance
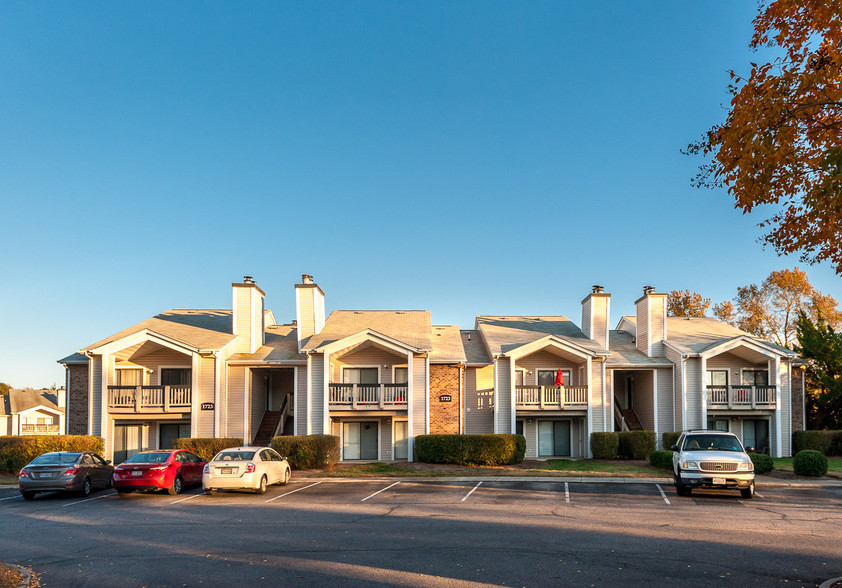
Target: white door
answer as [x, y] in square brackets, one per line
[401, 443]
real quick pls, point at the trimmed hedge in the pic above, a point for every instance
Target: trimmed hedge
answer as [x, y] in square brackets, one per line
[763, 464]
[471, 449]
[207, 447]
[670, 438]
[636, 444]
[605, 445]
[307, 452]
[828, 442]
[661, 459]
[16, 452]
[810, 463]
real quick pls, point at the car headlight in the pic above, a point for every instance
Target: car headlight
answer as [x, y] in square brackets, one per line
[746, 466]
[689, 465]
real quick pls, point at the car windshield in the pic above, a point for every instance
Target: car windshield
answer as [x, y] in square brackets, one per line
[55, 459]
[234, 456]
[156, 457]
[711, 443]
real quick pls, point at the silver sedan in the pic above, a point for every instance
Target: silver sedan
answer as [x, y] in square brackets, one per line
[245, 468]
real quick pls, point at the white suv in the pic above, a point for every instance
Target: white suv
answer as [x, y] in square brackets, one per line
[711, 459]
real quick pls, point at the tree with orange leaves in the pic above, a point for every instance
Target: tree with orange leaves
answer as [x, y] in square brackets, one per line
[781, 143]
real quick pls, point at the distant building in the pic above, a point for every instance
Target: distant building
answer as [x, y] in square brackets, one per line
[32, 412]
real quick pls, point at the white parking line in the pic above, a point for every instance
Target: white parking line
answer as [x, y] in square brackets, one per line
[10, 498]
[566, 492]
[471, 492]
[293, 491]
[89, 499]
[191, 497]
[379, 491]
[661, 490]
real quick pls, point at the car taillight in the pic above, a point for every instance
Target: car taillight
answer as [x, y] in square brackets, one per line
[206, 469]
[23, 474]
[250, 468]
[71, 472]
[157, 470]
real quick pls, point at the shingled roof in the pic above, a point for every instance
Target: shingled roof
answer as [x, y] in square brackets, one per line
[447, 345]
[281, 344]
[410, 327]
[505, 333]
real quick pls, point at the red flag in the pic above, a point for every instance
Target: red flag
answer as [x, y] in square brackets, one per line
[559, 378]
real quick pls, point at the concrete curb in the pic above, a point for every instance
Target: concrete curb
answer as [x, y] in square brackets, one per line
[26, 581]
[830, 582]
[761, 482]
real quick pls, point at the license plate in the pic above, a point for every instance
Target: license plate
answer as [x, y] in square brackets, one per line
[719, 481]
[46, 475]
[137, 473]
[226, 470]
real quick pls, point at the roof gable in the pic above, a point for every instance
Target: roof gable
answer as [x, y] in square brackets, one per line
[411, 328]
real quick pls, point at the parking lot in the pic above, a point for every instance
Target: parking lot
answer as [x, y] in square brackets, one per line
[428, 532]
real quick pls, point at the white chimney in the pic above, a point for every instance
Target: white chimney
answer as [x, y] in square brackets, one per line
[248, 315]
[309, 309]
[596, 308]
[651, 312]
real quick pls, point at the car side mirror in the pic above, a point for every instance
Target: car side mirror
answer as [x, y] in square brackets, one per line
[749, 449]
[107, 462]
[674, 447]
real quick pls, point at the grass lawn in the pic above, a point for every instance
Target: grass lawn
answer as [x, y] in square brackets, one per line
[8, 479]
[834, 465]
[595, 467]
[9, 577]
[379, 470]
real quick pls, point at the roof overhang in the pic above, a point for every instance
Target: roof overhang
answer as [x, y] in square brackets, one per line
[742, 344]
[554, 342]
[146, 335]
[367, 336]
[41, 408]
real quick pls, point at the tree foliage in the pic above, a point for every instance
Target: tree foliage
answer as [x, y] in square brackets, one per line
[4, 388]
[821, 346]
[770, 310]
[781, 143]
[686, 303]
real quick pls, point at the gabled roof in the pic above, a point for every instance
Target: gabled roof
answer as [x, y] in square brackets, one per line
[281, 345]
[475, 348]
[624, 353]
[74, 358]
[505, 333]
[699, 334]
[447, 345]
[410, 327]
[198, 328]
[17, 401]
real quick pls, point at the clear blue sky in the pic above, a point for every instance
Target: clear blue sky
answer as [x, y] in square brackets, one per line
[462, 157]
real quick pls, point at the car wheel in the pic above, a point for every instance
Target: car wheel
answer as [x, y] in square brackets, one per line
[261, 489]
[748, 492]
[176, 486]
[210, 491]
[680, 488]
[86, 487]
[28, 495]
[286, 477]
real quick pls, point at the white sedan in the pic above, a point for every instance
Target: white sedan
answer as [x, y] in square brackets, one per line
[245, 468]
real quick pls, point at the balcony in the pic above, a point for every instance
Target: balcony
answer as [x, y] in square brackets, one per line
[39, 429]
[368, 396]
[551, 397]
[149, 399]
[741, 397]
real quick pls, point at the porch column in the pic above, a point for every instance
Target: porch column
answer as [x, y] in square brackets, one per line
[589, 418]
[496, 395]
[410, 426]
[103, 408]
[513, 406]
[308, 425]
[655, 406]
[194, 395]
[703, 373]
[326, 395]
[778, 424]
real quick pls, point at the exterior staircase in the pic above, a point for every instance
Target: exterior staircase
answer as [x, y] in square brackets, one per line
[631, 420]
[267, 427]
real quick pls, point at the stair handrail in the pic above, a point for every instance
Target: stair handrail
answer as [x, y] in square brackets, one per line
[285, 405]
[618, 414]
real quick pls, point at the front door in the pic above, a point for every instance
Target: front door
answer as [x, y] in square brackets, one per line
[359, 440]
[169, 432]
[128, 440]
[554, 438]
[756, 434]
[401, 444]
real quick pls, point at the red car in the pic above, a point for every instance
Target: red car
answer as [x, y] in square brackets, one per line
[163, 469]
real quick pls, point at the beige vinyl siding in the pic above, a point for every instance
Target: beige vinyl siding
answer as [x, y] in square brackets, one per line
[370, 357]
[543, 360]
[301, 400]
[503, 394]
[306, 312]
[658, 322]
[96, 395]
[577, 439]
[257, 401]
[595, 393]
[419, 395]
[786, 410]
[642, 336]
[205, 393]
[530, 432]
[386, 439]
[609, 399]
[693, 394]
[734, 365]
[242, 318]
[236, 391]
[317, 410]
[586, 319]
[479, 400]
[169, 358]
[643, 402]
[666, 413]
[675, 358]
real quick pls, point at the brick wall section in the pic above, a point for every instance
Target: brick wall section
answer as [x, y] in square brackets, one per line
[444, 416]
[77, 400]
[797, 406]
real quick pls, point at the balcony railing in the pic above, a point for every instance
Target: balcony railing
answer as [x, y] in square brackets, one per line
[551, 397]
[39, 429]
[149, 398]
[368, 396]
[741, 396]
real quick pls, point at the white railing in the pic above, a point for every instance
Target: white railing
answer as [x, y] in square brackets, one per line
[551, 397]
[39, 429]
[741, 396]
[368, 396]
[149, 398]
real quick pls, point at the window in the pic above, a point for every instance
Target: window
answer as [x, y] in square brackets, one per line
[360, 375]
[756, 434]
[129, 377]
[176, 377]
[547, 377]
[520, 378]
[718, 424]
[755, 378]
[401, 375]
[717, 378]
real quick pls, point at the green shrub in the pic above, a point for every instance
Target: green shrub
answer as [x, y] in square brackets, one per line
[661, 459]
[307, 452]
[207, 447]
[636, 444]
[16, 452]
[828, 442]
[605, 445]
[670, 438]
[763, 464]
[470, 449]
[810, 463]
